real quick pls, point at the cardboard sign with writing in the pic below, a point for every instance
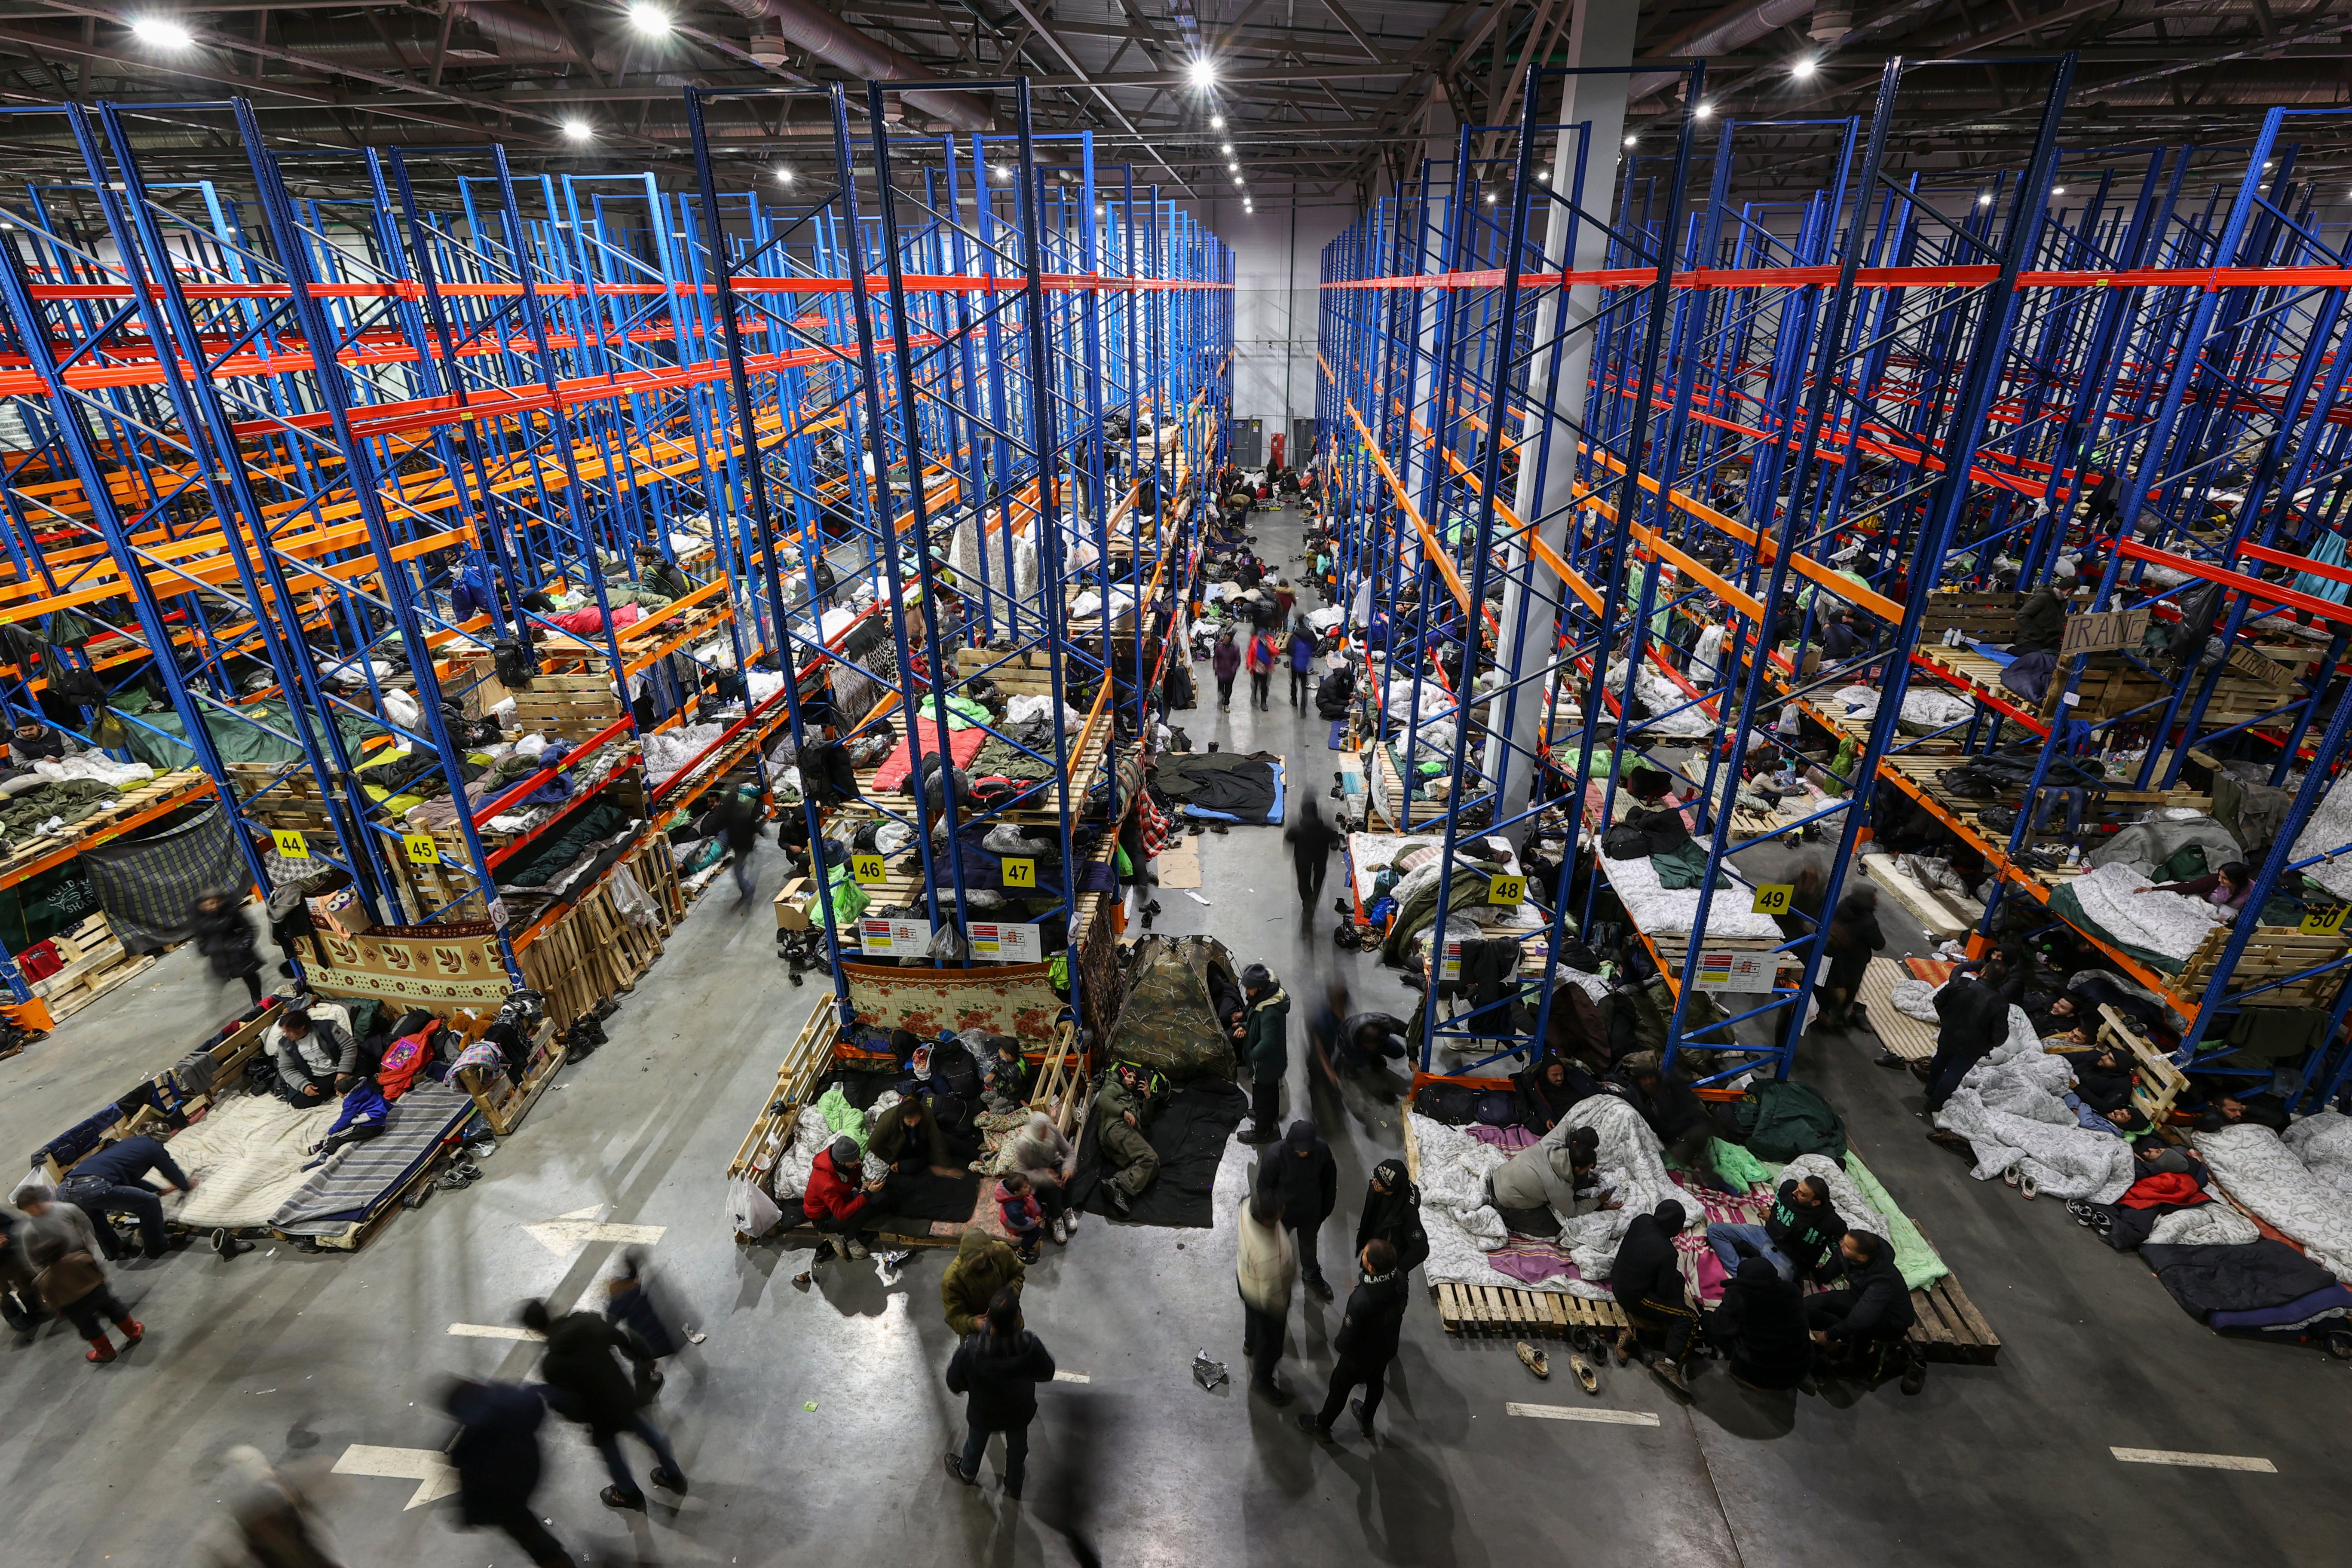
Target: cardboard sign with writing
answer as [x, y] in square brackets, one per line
[879, 938]
[998, 941]
[1734, 972]
[2105, 633]
[2245, 661]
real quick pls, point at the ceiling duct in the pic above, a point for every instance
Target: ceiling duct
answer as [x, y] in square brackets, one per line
[1733, 27]
[829, 38]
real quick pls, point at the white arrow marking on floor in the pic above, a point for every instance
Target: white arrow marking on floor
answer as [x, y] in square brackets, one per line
[2198, 1461]
[1072, 1377]
[493, 1332]
[426, 1467]
[580, 1226]
[1582, 1413]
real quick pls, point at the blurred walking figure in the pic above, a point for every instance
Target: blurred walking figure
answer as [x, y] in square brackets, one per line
[997, 1369]
[61, 1245]
[496, 1460]
[648, 1324]
[586, 1384]
[1311, 841]
[274, 1525]
[226, 938]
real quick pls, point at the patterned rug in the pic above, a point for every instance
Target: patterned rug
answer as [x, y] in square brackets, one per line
[1016, 999]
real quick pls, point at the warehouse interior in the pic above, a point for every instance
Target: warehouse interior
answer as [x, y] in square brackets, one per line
[1392, 783]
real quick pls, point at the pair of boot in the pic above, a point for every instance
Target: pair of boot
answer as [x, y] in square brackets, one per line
[101, 1349]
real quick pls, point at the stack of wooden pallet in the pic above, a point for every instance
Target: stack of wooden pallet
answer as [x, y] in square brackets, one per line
[95, 962]
[592, 951]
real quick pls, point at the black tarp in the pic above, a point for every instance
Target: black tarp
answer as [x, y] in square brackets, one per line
[2246, 1279]
[1190, 1134]
[1237, 784]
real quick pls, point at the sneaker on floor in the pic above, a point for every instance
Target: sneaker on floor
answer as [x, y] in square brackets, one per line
[1121, 1202]
[955, 1468]
[1320, 1287]
[1274, 1394]
[857, 1252]
[1670, 1373]
[1061, 1230]
[1888, 1059]
[1363, 1417]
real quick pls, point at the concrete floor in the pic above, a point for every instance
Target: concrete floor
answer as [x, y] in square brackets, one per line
[815, 1421]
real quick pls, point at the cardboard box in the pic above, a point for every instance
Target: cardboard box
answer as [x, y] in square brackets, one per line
[793, 905]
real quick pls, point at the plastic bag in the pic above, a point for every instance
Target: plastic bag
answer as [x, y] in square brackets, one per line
[752, 1211]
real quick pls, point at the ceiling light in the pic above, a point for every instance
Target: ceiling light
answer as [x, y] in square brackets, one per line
[1630, 140]
[1545, 175]
[1985, 200]
[579, 129]
[653, 21]
[1217, 122]
[1804, 67]
[1237, 179]
[1227, 147]
[161, 33]
[1004, 171]
[1704, 111]
[1490, 198]
[2057, 190]
[1204, 72]
[1235, 165]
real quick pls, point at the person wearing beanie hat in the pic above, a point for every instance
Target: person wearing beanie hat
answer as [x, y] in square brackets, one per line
[1264, 1035]
[841, 1202]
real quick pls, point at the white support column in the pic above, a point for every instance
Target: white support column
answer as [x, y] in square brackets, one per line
[1602, 34]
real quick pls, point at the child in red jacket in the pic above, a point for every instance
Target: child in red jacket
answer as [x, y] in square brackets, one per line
[1022, 1216]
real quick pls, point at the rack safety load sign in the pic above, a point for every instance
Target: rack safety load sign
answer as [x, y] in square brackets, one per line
[878, 938]
[1721, 970]
[1004, 942]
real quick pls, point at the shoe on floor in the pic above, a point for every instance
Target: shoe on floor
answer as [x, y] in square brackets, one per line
[1582, 1369]
[801, 1280]
[2082, 1212]
[133, 1330]
[1313, 1426]
[669, 1481]
[955, 1468]
[1363, 1421]
[613, 1497]
[1061, 1231]
[1533, 1359]
[2029, 1189]
[101, 1349]
[1888, 1059]
[1670, 1373]
[1121, 1202]
[1914, 1374]
[1622, 1348]
[1320, 1287]
[857, 1253]
[2010, 1175]
[1273, 1393]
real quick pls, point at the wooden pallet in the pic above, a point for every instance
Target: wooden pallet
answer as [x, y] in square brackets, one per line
[33, 854]
[1911, 1038]
[1425, 810]
[566, 707]
[1493, 1310]
[1949, 1327]
[2270, 953]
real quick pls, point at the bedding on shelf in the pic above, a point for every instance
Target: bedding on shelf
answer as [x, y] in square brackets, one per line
[2161, 929]
[1660, 910]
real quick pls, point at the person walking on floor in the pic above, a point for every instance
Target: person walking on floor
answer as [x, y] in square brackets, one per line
[1264, 1036]
[1226, 662]
[1265, 1267]
[61, 1247]
[1302, 662]
[997, 1369]
[1311, 841]
[1853, 936]
[1367, 1340]
[1262, 657]
[226, 938]
[738, 820]
[497, 1459]
[115, 1179]
[586, 1383]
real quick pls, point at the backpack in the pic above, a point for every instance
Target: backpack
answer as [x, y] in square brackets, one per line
[953, 1069]
[1496, 1107]
[1452, 1103]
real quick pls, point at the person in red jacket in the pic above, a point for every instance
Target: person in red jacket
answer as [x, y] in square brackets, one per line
[840, 1201]
[1262, 658]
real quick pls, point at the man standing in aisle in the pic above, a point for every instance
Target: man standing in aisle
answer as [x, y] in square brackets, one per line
[1264, 1036]
[1307, 1178]
[1311, 841]
[1367, 1340]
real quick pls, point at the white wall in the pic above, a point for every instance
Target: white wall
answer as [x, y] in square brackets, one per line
[1277, 262]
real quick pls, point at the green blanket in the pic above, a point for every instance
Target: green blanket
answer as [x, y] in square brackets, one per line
[1921, 1265]
[843, 1118]
[2067, 905]
[1685, 866]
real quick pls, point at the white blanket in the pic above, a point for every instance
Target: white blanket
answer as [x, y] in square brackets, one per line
[246, 1156]
[96, 765]
[2324, 1144]
[2330, 828]
[668, 752]
[2161, 923]
[811, 1135]
[1681, 713]
[1922, 705]
[1663, 911]
[2012, 1109]
[2263, 1176]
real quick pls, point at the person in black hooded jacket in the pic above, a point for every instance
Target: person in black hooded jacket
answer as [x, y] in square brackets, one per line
[997, 1370]
[1972, 1022]
[226, 938]
[1367, 1340]
[1305, 1178]
[1760, 1326]
[495, 1457]
[1647, 1281]
[1392, 1214]
[1874, 1305]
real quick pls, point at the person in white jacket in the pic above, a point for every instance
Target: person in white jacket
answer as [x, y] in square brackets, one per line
[1265, 1266]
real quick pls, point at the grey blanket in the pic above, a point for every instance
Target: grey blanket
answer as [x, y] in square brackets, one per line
[2144, 846]
[356, 1183]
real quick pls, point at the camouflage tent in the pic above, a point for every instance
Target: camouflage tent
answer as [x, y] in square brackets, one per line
[1179, 989]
